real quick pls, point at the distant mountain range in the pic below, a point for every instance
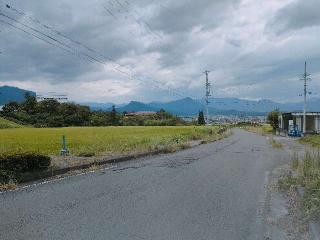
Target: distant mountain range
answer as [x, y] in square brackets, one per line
[182, 107]
[8, 94]
[220, 106]
[262, 105]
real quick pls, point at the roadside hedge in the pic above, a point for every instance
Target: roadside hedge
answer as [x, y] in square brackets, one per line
[6, 176]
[13, 165]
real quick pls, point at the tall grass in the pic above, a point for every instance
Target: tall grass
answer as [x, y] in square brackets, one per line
[4, 123]
[313, 140]
[307, 175]
[90, 141]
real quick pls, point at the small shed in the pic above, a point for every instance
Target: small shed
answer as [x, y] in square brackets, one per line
[296, 119]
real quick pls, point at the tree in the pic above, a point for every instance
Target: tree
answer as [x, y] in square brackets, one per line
[30, 103]
[163, 115]
[48, 106]
[273, 119]
[10, 107]
[115, 120]
[201, 120]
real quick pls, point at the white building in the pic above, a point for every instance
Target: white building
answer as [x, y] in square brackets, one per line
[62, 98]
[296, 119]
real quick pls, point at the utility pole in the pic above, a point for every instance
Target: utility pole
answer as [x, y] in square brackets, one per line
[208, 94]
[305, 78]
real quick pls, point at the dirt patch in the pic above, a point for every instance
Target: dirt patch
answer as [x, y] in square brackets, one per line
[285, 218]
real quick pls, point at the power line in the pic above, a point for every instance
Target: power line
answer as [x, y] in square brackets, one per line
[91, 59]
[141, 23]
[37, 21]
[67, 48]
[63, 44]
[64, 36]
[36, 36]
[33, 29]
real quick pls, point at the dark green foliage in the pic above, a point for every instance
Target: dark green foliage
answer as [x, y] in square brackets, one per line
[13, 165]
[5, 176]
[48, 106]
[201, 120]
[50, 113]
[24, 162]
[273, 119]
[30, 104]
[11, 107]
[161, 118]
[115, 119]
[100, 119]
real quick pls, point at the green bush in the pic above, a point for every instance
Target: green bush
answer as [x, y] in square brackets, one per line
[273, 119]
[23, 162]
[5, 176]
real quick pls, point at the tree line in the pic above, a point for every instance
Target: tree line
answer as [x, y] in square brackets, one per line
[51, 113]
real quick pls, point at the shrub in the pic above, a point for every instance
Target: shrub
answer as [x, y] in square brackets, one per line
[13, 165]
[273, 119]
[5, 176]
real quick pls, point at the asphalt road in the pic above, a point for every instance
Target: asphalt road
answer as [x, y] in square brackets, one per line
[214, 191]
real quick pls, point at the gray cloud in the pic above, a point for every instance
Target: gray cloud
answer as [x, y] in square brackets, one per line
[296, 15]
[183, 15]
[167, 44]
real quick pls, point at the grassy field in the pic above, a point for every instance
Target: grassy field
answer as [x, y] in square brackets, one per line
[263, 129]
[313, 140]
[8, 124]
[91, 141]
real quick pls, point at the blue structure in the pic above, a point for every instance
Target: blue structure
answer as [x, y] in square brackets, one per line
[294, 131]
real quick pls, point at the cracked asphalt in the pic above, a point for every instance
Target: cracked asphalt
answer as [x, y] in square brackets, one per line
[213, 191]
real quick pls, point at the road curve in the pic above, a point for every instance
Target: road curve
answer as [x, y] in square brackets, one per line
[214, 191]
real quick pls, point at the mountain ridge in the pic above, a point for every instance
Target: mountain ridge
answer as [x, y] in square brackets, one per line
[9, 94]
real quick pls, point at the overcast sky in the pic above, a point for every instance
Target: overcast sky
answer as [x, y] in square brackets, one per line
[149, 51]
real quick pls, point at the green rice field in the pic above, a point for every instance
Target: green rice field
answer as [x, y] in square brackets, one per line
[95, 141]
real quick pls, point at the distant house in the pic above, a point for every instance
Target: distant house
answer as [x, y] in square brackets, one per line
[141, 113]
[295, 119]
[62, 98]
